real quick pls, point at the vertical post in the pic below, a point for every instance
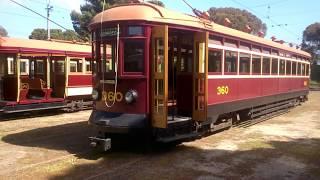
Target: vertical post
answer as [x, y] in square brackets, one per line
[66, 72]
[18, 76]
[48, 70]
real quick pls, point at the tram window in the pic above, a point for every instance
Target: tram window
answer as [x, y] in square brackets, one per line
[39, 67]
[303, 69]
[230, 62]
[307, 69]
[244, 63]
[135, 31]
[11, 65]
[2, 65]
[24, 66]
[231, 43]
[88, 66]
[282, 67]
[76, 65]
[215, 40]
[256, 64]
[215, 59]
[294, 68]
[274, 65]
[299, 69]
[288, 68]
[134, 56]
[245, 46]
[110, 54]
[59, 66]
[256, 48]
[266, 65]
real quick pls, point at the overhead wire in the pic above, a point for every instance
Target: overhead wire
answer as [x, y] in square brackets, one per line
[25, 7]
[271, 20]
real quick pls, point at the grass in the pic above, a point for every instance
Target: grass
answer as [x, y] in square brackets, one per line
[314, 84]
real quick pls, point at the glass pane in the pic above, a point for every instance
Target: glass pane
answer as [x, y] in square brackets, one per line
[299, 69]
[159, 87]
[256, 64]
[230, 61]
[214, 64]
[266, 65]
[39, 67]
[159, 56]
[288, 68]
[294, 68]
[135, 31]
[282, 67]
[134, 56]
[303, 69]
[274, 66]
[244, 63]
[76, 65]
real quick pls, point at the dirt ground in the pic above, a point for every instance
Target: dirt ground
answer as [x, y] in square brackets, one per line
[56, 147]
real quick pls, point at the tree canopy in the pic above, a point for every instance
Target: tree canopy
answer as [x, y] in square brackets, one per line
[88, 10]
[41, 34]
[3, 32]
[239, 19]
[311, 39]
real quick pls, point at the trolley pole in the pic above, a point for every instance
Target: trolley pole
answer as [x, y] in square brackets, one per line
[48, 8]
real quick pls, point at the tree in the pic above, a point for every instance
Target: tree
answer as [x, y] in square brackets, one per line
[81, 20]
[311, 44]
[156, 2]
[239, 19]
[41, 34]
[311, 39]
[3, 32]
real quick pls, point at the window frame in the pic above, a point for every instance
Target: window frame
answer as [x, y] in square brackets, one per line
[221, 61]
[250, 60]
[236, 63]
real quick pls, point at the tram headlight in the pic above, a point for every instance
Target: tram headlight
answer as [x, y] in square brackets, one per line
[131, 96]
[95, 94]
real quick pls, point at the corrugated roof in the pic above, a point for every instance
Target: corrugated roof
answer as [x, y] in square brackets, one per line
[153, 13]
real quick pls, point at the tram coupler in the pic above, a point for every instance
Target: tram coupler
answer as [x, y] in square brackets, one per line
[100, 142]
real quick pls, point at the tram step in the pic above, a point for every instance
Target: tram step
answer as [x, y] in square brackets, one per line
[179, 137]
[177, 119]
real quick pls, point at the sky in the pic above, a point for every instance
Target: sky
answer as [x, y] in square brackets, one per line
[285, 19]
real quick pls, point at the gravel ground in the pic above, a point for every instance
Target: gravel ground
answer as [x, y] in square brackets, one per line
[56, 147]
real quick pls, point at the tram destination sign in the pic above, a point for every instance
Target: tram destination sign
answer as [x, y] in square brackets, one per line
[110, 32]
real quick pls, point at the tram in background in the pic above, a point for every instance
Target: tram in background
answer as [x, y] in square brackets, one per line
[37, 75]
[177, 77]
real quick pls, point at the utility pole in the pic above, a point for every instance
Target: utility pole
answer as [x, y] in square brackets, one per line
[48, 8]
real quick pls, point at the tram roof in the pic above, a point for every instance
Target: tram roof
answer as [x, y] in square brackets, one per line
[42, 46]
[153, 13]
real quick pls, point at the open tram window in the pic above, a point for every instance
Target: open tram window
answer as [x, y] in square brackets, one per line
[107, 56]
[307, 70]
[215, 61]
[288, 67]
[294, 68]
[231, 59]
[134, 56]
[299, 69]
[244, 63]
[282, 67]
[274, 66]
[256, 64]
[266, 65]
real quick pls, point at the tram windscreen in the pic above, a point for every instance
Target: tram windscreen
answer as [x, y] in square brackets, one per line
[133, 56]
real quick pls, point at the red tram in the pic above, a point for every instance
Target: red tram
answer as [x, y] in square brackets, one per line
[177, 76]
[37, 75]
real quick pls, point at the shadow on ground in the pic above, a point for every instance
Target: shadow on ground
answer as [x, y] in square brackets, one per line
[29, 114]
[297, 158]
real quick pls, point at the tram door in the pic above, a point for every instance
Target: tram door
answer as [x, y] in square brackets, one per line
[159, 73]
[200, 76]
